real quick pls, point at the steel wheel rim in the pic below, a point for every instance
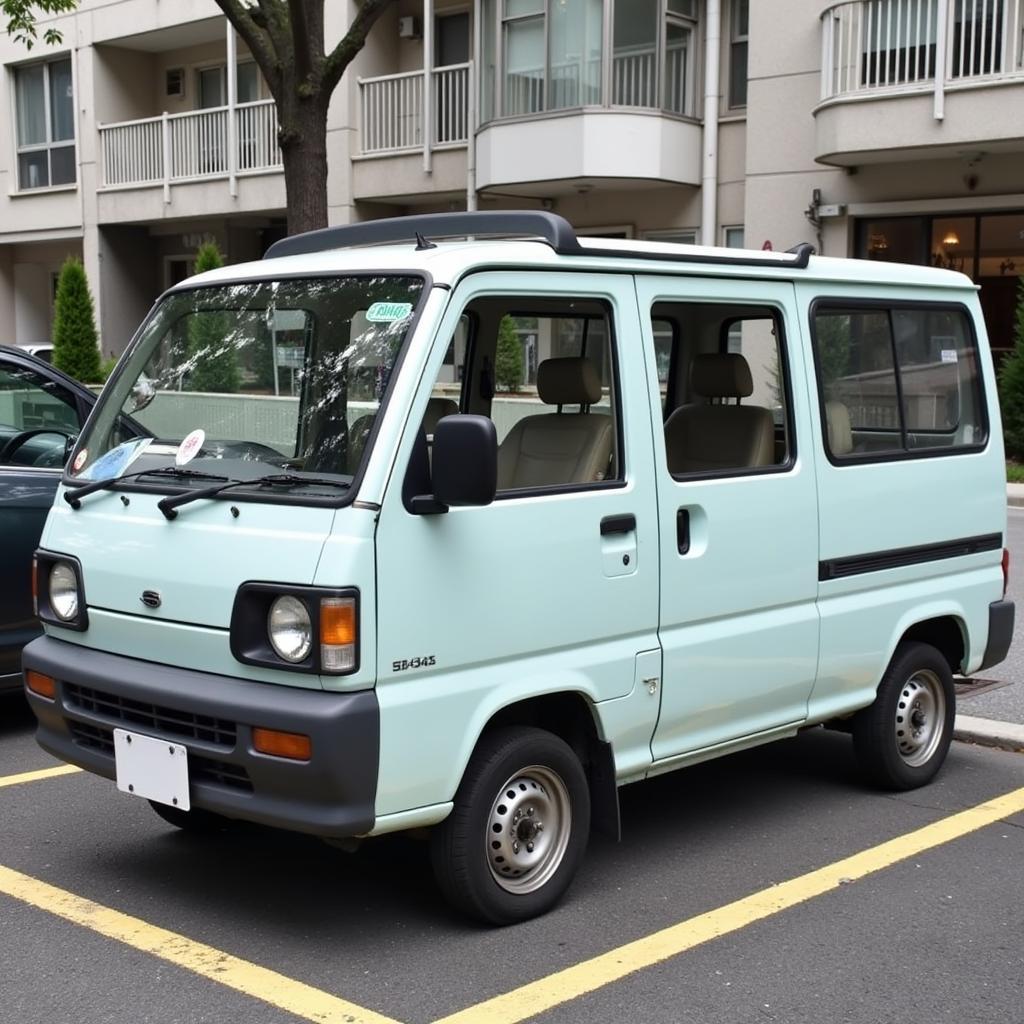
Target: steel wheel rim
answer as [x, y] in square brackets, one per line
[528, 829]
[920, 717]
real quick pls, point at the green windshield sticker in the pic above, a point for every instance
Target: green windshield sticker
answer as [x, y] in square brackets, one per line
[386, 312]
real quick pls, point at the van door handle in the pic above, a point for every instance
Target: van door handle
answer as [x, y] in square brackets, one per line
[618, 524]
[683, 530]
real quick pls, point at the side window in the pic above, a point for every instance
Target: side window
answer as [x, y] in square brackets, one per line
[544, 371]
[665, 348]
[725, 396]
[29, 402]
[897, 379]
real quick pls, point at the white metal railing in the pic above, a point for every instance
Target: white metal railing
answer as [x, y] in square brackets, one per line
[392, 109]
[180, 147]
[886, 44]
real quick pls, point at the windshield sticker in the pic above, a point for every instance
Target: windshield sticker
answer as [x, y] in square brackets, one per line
[949, 355]
[80, 460]
[189, 448]
[113, 464]
[388, 312]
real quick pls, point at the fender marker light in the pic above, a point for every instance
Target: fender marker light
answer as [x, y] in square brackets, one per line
[292, 745]
[337, 634]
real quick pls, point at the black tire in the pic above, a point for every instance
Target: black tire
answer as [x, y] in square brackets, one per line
[196, 821]
[501, 875]
[902, 739]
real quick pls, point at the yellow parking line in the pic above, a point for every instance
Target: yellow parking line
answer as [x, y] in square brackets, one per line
[563, 986]
[268, 986]
[43, 773]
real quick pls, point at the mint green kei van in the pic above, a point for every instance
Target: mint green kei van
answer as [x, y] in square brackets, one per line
[390, 531]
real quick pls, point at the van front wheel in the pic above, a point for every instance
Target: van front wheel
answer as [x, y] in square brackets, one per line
[518, 830]
[902, 739]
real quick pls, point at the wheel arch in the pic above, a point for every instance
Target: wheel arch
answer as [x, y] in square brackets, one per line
[947, 633]
[572, 717]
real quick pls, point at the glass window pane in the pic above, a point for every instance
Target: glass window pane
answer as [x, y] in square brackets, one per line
[248, 80]
[687, 8]
[740, 18]
[574, 69]
[634, 54]
[30, 402]
[738, 75]
[62, 101]
[677, 68]
[524, 67]
[33, 171]
[858, 382]
[518, 8]
[211, 88]
[953, 244]
[734, 238]
[62, 165]
[31, 105]
[894, 240]
[939, 377]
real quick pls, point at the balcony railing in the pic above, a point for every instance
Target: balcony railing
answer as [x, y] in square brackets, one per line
[392, 110]
[185, 147]
[908, 44]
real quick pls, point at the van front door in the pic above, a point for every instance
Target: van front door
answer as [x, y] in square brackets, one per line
[737, 512]
[553, 588]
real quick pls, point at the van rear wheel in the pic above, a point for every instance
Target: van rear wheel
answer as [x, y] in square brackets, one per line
[518, 830]
[902, 739]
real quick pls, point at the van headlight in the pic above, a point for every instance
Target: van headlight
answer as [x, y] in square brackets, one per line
[297, 628]
[290, 629]
[57, 591]
[64, 591]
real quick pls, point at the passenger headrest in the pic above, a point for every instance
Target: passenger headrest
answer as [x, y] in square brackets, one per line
[840, 433]
[570, 380]
[721, 375]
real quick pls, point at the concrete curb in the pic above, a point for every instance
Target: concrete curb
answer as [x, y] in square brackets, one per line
[1015, 495]
[986, 732]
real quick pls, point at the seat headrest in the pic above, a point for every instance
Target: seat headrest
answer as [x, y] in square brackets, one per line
[721, 375]
[840, 432]
[570, 380]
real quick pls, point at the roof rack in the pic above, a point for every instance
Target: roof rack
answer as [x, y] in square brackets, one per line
[547, 227]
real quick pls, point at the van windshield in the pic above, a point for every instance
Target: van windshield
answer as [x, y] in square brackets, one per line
[244, 379]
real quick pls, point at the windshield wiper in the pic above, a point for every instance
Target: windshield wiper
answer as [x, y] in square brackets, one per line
[74, 496]
[169, 506]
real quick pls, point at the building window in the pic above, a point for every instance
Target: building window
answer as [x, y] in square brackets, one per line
[213, 89]
[683, 236]
[653, 54]
[732, 237]
[540, 55]
[739, 22]
[45, 110]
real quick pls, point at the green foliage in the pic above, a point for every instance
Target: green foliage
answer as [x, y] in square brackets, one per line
[21, 18]
[75, 343]
[107, 368]
[213, 356]
[508, 360]
[1011, 385]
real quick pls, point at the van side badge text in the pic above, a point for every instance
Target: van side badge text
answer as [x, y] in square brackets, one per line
[406, 664]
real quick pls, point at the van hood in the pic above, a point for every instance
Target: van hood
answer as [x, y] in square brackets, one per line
[195, 562]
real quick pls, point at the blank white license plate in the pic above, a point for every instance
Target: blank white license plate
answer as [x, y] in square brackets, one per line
[153, 769]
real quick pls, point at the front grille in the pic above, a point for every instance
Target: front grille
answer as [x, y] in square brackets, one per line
[201, 769]
[152, 717]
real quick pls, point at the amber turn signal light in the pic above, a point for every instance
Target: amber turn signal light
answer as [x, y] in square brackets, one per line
[292, 745]
[42, 686]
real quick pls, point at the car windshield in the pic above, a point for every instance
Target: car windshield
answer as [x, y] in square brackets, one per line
[239, 380]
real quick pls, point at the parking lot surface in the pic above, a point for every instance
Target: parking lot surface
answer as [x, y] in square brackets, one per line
[769, 886]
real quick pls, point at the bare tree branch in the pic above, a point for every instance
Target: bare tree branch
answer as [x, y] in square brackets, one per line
[257, 39]
[341, 56]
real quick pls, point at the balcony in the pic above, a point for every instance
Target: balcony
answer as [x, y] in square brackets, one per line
[903, 76]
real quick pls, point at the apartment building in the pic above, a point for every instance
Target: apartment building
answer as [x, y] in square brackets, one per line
[882, 129]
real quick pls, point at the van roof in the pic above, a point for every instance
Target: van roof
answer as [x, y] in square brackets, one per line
[541, 239]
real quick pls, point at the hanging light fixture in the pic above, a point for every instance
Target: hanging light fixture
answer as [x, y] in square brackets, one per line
[951, 238]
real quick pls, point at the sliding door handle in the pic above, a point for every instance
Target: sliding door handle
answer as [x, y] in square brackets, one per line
[618, 524]
[683, 530]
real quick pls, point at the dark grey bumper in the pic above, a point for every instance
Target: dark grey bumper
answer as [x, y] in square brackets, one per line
[1000, 633]
[332, 794]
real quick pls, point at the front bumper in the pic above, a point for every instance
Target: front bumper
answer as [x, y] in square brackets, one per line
[332, 794]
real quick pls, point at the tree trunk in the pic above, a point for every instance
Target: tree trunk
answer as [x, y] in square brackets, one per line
[303, 140]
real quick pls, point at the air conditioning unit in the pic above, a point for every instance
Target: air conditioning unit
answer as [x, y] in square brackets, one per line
[409, 28]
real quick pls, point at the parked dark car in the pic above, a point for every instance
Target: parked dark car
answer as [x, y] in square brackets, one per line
[41, 412]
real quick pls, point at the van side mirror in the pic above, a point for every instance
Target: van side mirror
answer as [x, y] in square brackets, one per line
[464, 465]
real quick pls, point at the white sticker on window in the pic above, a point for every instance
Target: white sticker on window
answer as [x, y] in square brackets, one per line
[387, 312]
[189, 448]
[949, 355]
